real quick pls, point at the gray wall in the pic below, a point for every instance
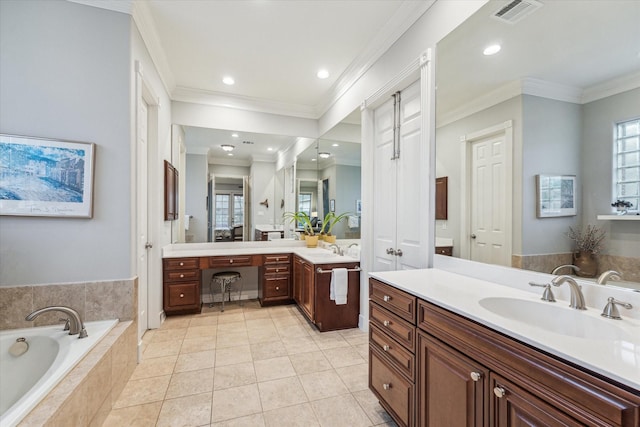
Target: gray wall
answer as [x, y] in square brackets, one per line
[348, 190]
[551, 145]
[599, 118]
[196, 197]
[65, 73]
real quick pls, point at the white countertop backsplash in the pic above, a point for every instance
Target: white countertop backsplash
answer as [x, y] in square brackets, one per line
[460, 293]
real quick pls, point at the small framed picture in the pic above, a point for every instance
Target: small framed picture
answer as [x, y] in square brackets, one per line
[332, 205]
[358, 207]
[555, 195]
[46, 177]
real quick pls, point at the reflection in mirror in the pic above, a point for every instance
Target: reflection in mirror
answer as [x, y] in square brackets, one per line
[545, 104]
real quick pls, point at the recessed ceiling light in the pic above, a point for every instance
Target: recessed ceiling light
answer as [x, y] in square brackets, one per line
[335, 145]
[228, 80]
[322, 74]
[492, 49]
[234, 135]
[324, 155]
[313, 160]
[227, 147]
[269, 148]
[229, 154]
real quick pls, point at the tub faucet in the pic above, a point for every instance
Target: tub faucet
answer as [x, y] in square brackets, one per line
[577, 299]
[560, 267]
[609, 274]
[76, 326]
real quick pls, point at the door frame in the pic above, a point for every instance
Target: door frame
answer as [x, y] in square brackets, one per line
[145, 94]
[505, 129]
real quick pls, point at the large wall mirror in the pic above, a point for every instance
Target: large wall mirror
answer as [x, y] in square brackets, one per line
[545, 104]
[239, 184]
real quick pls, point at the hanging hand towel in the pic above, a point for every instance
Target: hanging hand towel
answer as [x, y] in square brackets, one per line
[186, 222]
[353, 221]
[339, 286]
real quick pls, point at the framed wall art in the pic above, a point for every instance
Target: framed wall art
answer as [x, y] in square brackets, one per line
[46, 177]
[555, 195]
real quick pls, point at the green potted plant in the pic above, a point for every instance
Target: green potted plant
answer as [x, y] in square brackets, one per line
[302, 218]
[587, 244]
[621, 206]
[330, 220]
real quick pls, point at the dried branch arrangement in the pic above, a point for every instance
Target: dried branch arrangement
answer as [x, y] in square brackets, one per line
[590, 240]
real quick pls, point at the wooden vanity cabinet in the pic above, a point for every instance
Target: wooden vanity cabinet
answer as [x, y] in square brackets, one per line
[392, 344]
[181, 285]
[311, 291]
[275, 279]
[516, 383]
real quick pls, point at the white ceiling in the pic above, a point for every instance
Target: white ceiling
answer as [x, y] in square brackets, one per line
[570, 47]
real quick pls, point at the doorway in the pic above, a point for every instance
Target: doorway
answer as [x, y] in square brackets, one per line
[486, 230]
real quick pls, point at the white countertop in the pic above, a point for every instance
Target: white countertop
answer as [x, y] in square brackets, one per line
[618, 360]
[313, 255]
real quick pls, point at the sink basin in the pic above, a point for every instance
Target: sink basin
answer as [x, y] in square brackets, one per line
[556, 319]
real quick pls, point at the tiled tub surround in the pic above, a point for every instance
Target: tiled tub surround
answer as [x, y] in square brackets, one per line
[102, 300]
[86, 395]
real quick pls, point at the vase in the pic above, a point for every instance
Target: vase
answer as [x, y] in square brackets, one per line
[621, 210]
[587, 263]
[329, 239]
[312, 241]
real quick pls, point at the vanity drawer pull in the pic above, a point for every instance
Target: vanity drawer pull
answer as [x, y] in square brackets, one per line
[182, 276]
[386, 298]
[277, 288]
[230, 261]
[386, 347]
[499, 392]
[386, 386]
[386, 323]
[181, 295]
[181, 264]
[476, 376]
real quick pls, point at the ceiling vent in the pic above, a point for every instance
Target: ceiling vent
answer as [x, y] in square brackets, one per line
[248, 142]
[516, 10]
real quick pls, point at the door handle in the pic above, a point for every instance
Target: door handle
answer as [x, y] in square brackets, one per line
[390, 251]
[399, 252]
[148, 245]
[473, 236]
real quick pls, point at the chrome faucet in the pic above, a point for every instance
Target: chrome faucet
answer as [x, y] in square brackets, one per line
[76, 326]
[560, 267]
[336, 249]
[353, 244]
[609, 274]
[577, 299]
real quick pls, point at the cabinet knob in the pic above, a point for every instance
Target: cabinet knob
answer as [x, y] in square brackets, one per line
[277, 270]
[386, 386]
[182, 263]
[386, 298]
[499, 392]
[181, 276]
[277, 288]
[181, 295]
[385, 347]
[230, 261]
[386, 323]
[476, 376]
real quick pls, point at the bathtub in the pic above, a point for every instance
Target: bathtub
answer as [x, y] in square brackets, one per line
[26, 379]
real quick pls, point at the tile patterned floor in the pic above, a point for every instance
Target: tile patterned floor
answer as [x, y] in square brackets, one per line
[249, 366]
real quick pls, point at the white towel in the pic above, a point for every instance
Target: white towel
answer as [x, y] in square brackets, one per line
[186, 221]
[353, 221]
[339, 286]
[274, 235]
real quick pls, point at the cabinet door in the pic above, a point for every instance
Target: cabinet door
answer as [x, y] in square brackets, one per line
[451, 386]
[308, 291]
[512, 406]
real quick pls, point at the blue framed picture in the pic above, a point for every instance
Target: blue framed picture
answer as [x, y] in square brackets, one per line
[46, 177]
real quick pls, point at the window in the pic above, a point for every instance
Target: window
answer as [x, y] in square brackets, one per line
[304, 205]
[222, 210]
[238, 209]
[627, 163]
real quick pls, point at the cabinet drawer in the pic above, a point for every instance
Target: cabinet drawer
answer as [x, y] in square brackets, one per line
[182, 295]
[394, 326]
[179, 275]
[276, 287]
[403, 360]
[275, 259]
[180, 263]
[444, 250]
[394, 300]
[396, 394]
[277, 269]
[226, 261]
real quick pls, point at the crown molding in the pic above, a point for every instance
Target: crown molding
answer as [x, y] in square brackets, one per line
[550, 90]
[122, 6]
[611, 87]
[220, 99]
[408, 13]
[226, 161]
[146, 26]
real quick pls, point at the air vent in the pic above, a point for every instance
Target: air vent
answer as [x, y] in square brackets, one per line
[248, 142]
[516, 10]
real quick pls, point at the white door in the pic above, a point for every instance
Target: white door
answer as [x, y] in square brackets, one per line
[384, 195]
[488, 201]
[409, 240]
[246, 225]
[143, 233]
